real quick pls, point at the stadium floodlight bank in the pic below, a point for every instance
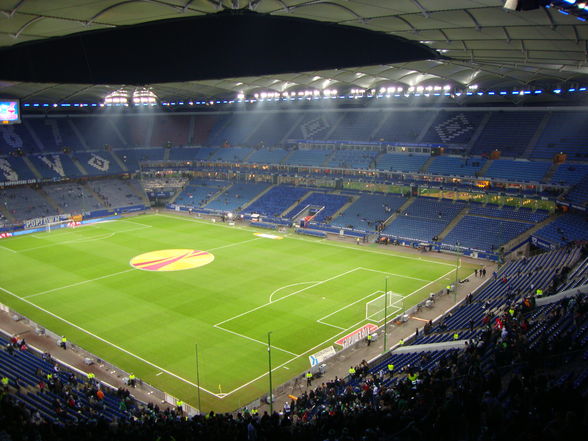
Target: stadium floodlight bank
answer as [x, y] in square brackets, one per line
[388, 303]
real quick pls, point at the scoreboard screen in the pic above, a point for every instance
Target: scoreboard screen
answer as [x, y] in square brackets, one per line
[9, 111]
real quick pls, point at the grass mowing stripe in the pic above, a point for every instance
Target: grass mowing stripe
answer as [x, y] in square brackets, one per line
[76, 284]
[285, 297]
[91, 334]
[395, 275]
[253, 339]
[290, 236]
[158, 316]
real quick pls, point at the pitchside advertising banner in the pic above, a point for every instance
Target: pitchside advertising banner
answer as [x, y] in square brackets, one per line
[40, 221]
[538, 242]
[357, 335]
[321, 356]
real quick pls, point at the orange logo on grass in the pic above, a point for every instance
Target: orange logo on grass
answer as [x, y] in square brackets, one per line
[171, 260]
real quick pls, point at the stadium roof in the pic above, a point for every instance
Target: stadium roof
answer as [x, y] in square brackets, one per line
[455, 42]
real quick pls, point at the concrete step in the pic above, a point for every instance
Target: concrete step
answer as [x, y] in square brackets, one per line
[453, 223]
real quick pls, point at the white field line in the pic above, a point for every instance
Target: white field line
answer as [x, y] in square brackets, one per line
[252, 339]
[233, 244]
[8, 249]
[332, 326]
[76, 284]
[285, 297]
[324, 242]
[84, 240]
[292, 359]
[288, 286]
[430, 283]
[108, 275]
[324, 342]
[395, 275]
[347, 306]
[107, 342]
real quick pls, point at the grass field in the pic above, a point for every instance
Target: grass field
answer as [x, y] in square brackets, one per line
[307, 292]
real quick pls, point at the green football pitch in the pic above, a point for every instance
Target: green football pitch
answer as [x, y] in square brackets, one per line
[307, 292]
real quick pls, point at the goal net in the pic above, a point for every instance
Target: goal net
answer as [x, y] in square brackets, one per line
[52, 226]
[388, 303]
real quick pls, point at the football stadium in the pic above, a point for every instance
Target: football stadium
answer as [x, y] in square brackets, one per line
[276, 219]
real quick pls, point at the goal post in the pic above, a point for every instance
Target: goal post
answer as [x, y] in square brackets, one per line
[390, 303]
[52, 226]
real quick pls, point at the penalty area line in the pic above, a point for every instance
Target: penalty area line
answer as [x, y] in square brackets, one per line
[114, 345]
[252, 339]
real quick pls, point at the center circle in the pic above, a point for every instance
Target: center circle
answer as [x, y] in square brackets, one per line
[171, 260]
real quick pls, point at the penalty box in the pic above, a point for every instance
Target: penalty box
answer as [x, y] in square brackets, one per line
[328, 307]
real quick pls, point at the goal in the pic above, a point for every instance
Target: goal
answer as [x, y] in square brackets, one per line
[52, 226]
[388, 303]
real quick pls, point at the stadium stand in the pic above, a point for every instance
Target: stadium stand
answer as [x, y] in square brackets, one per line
[267, 155]
[199, 191]
[474, 232]
[13, 169]
[131, 158]
[55, 166]
[233, 199]
[400, 162]
[98, 163]
[369, 210]
[455, 166]
[314, 125]
[352, 158]
[509, 132]
[327, 204]
[424, 219]
[357, 126]
[307, 157]
[569, 174]
[17, 137]
[277, 200]
[401, 126]
[565, 132]
[234, 154]
[524, 171]
[171, 131]
[55, 134]
[25, 203]
[98, 133]
[72, 198]
[115, 193]
[273, 129]
[454, 127]
[506, 212]
[567, 228]
[578, 195]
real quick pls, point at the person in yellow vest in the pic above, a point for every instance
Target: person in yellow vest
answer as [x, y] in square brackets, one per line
[179, 405]
[390, 369]
[455, 336]
[309, 378]
[132, 380]
[539, 292]
[5, 381]
[91, 376]
[401, 342]
[413, 376]
[351, 372]
[369, 339]
[511, 311]
[63, 343]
